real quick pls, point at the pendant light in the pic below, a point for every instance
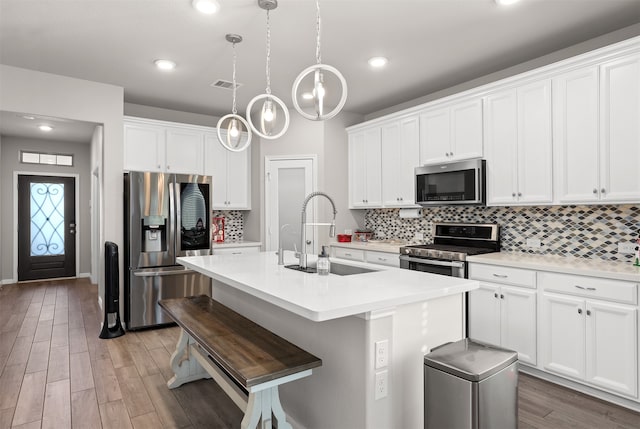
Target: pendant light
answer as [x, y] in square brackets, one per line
[319, 93]
[236, 124]
[268, 115]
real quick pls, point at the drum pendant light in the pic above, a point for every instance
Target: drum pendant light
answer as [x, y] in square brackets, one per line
[268, 114]
[320, 92]
[235, 124]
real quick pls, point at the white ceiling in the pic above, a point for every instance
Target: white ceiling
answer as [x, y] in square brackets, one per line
[431, 44]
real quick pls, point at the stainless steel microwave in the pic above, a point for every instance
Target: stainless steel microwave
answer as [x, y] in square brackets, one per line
[451, 183]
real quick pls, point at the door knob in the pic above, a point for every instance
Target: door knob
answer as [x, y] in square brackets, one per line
[308, 242]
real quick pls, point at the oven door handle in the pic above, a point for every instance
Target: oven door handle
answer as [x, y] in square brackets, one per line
[456, 264]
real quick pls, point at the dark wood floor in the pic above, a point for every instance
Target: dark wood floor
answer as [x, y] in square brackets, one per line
[56, 373]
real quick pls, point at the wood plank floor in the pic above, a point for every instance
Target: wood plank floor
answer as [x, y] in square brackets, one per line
[56, 373]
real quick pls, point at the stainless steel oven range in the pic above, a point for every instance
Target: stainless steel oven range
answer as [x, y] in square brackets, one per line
[452, 243]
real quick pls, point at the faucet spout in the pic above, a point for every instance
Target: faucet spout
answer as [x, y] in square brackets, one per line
[303, 223]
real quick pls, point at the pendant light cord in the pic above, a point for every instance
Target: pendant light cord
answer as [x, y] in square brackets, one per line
[318, 56]
[234, 110]
[268, 91]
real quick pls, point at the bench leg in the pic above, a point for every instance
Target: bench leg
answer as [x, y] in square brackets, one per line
[185, 367]
[262, 404]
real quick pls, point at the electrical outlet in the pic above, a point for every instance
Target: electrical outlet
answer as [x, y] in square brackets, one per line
[418, 236]
[381, 384]
[382, 354]
[348, 231]
[533, 243]
[627, 247]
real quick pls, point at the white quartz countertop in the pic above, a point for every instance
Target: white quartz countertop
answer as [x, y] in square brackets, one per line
[561, 264]
[321, 298]
[234, 244]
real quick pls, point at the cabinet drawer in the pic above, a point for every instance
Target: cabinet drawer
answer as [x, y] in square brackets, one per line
[344, 253]
[590, 287]
[504, 275]
[235, 250]
[383, 258]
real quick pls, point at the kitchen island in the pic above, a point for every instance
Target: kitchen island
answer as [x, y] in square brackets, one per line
[340, 319]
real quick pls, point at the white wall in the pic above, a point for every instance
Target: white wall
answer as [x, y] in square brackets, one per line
[45, 94]
[11, 148]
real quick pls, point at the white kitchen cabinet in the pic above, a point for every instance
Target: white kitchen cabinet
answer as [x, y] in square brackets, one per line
[390, 259]
[400, 146]
[620, 130]
[587, 338]
[162, 147]
[231, 172]
[518, 145]
[503, 314]
[365, 169]
[451, 133]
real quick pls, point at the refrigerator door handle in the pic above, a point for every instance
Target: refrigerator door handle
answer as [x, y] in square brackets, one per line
[162, 273]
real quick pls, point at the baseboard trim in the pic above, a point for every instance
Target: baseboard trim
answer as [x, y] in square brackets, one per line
[83, 275]
[7, 282]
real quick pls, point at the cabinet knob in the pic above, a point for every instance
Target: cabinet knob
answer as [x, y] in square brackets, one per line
[158, 166]
[446, 154]
[595, 191]
[501, 296]
[519, 194]
[513, 194]
[603, 190]
[450, 153]
[579, 311]
[588, 312]
[495, 295]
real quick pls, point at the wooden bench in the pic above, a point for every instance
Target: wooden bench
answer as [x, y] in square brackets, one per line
[242, 357]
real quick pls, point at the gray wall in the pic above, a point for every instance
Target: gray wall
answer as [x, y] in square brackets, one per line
[9, 159]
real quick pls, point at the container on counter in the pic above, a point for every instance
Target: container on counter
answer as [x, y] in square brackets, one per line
[344, 238]
[362, 235]
[323, 262]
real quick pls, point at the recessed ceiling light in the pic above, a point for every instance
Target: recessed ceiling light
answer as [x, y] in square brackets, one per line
[506, 2]
[165, 64]
[208, 7]
[45, 128]
[28, 117]
[377, 62]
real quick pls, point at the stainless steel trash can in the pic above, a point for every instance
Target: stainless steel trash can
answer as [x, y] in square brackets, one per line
[470, 385]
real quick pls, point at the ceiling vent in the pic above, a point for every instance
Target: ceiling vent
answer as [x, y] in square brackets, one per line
[225, 84]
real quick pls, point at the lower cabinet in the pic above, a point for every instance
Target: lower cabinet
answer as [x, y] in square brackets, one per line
[504, 316]
[369, 256]
[591, 340]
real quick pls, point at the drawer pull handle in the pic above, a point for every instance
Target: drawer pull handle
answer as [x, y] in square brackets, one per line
[347, 254]
[585, 288]
[382, 259]
[495, 295]
[500, 276]
[579, 311]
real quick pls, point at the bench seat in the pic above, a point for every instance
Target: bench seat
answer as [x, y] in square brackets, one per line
[255, 358]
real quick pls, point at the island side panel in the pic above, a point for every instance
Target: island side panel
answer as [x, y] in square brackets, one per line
[332, 396]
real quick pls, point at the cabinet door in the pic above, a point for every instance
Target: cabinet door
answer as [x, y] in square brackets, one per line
[238, 180]
[620, 130]
[144, 147]
[575, 133]
[518, 322]
[185, 151]
[484, 314]
[435, 140]
[534, 143]
[391, 145]
[373, 168]
[501, 136]
[409, 159]
[563, 335]
[357, 171]
[216, 167]
[466, 130]
[612, 361]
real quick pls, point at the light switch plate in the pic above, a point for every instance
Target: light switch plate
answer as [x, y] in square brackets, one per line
[626, 247]
[533, 243]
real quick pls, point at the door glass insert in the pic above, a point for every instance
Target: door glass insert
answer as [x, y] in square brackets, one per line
[195, 221]
[47, 219]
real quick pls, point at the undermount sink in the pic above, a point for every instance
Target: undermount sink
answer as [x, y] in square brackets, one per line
[335, 268]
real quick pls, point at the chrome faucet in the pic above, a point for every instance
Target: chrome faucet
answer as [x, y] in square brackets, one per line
[303, 232]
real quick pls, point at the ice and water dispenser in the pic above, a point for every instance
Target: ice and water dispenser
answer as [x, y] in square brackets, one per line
[154, 234]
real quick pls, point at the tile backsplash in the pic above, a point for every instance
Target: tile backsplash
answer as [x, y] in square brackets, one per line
[233, 224]
[579, 231]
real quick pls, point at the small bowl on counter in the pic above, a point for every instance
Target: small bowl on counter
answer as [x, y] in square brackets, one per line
[344, 238]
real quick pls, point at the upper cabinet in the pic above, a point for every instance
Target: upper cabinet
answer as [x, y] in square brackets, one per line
[365, 168]
[400, 152]
[451, 133]
[596, 133]
[231, 172]
[162, 147]
[518, 145]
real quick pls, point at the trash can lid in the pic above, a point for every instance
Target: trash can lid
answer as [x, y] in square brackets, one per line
[469, 359]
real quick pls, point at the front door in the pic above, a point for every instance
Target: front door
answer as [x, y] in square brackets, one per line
[46, 227]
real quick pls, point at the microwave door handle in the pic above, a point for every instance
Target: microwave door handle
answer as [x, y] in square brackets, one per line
[456, 264]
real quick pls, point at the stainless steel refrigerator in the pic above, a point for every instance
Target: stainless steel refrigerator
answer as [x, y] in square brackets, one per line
[166, 216]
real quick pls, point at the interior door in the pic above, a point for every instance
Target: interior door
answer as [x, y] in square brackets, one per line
[46, 227]
[289, 181]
